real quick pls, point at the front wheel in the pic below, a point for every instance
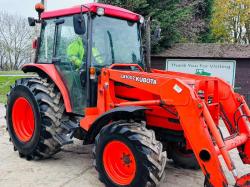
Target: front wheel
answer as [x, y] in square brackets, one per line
[127, 154]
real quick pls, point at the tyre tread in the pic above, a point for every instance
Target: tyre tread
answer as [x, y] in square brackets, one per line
[51, 108]
[144, 141]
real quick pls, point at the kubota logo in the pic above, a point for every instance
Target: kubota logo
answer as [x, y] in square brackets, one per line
[139, 79]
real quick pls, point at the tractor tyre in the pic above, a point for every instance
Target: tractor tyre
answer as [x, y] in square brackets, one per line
[181, 157]
[127, 154]
[33, 113]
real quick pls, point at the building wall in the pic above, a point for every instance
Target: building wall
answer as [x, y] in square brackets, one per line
[158, 63]
[242, 76]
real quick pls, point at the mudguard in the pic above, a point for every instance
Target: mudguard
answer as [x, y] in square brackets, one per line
[51, 71]
[119, 113]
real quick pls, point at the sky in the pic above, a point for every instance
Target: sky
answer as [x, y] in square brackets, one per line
[26, 8]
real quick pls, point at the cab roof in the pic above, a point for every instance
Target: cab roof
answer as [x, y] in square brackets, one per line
[110, 10]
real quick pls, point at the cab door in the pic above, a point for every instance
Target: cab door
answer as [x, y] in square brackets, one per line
[70, 72]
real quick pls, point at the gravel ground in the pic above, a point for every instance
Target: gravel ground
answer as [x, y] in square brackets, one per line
[73, 167]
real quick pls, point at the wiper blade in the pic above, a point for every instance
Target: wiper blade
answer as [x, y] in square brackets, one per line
[112, 47]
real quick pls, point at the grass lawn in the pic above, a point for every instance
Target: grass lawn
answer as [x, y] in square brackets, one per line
[5, 83]
[11, 72]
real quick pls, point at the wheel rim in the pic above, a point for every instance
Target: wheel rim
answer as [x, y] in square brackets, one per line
[119, 162]
[23, 119]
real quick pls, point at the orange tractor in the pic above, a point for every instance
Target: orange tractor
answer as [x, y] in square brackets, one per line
[92, 84]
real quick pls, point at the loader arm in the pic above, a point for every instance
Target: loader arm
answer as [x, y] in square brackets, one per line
[197, 116]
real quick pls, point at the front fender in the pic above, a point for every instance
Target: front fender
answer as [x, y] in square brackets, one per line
[51, 71]
[119, 113]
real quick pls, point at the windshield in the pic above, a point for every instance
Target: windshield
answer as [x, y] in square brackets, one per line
[117, 41]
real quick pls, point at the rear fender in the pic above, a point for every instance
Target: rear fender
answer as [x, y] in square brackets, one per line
[119, 113]
[51, 71]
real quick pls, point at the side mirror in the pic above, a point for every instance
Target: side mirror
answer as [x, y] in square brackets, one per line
[79, 24]
[40, 9]
[32, 21]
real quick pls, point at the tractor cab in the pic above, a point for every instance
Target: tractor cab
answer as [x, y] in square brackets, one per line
[80, 41]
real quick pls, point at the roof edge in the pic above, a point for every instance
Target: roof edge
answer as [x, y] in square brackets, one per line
[206, 50]
[110, 10]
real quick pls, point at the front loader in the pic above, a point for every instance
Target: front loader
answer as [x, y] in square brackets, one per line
[92, 84]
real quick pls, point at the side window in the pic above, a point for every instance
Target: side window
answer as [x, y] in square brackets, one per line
[71, 48]
[47, 40]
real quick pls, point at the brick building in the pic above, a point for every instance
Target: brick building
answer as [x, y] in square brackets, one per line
[188, 52]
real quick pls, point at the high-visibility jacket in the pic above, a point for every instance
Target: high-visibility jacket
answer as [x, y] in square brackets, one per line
[76, 52]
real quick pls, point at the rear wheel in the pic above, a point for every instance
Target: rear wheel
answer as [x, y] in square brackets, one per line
[127, 154]
[33, 112]
[22, 112]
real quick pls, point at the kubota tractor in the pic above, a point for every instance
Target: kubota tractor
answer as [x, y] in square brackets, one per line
[92, 84]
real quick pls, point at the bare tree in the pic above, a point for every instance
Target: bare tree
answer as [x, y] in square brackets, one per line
[15, 41]
[2, 58]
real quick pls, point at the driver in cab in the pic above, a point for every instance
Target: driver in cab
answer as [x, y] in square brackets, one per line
[76, 52]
